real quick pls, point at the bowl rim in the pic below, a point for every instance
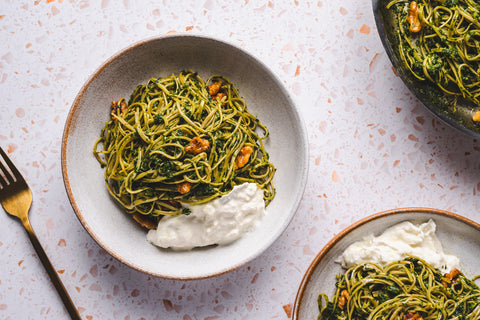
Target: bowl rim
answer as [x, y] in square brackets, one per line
[353, 226]
[69, 123]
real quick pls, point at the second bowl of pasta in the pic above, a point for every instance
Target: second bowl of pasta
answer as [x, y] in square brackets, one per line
[398, 264]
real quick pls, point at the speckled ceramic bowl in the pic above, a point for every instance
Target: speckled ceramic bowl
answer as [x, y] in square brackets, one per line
[266, 97]
[458, 235]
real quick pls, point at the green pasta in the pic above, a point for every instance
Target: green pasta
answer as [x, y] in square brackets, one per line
[406, 289]
[180, 140]
[439, 42]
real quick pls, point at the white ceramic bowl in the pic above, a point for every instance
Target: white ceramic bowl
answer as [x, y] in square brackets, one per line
[458, 235]
[265, 96]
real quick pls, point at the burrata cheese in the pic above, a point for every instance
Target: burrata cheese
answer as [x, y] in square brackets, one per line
[220, 221]
[398, 242]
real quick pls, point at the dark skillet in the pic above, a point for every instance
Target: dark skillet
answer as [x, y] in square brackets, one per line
[458, 116]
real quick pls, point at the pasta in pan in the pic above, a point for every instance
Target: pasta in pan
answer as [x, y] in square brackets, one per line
[406, 289]
[439, 42]
[181, 140]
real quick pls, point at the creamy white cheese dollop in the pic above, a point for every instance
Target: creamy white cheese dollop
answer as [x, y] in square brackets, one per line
[220, 221]
[398, 242]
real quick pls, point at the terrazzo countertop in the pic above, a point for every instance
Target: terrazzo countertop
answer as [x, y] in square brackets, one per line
[373, 147]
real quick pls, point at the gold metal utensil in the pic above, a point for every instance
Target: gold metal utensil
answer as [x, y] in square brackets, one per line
[16, 198]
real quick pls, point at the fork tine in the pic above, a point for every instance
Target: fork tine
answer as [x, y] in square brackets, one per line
[5, 176]
[3, 180]
[16, 174]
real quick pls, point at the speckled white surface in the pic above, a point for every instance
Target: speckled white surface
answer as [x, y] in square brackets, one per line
[372, 147]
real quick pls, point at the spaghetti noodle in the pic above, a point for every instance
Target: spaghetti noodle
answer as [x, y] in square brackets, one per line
[406, 289]
[439, 42]
[177, 141]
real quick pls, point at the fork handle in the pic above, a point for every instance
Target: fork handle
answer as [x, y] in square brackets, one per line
[67, 301]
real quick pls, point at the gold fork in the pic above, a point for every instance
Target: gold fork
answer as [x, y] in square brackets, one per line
[16, 198]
